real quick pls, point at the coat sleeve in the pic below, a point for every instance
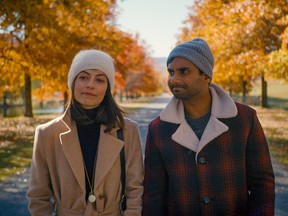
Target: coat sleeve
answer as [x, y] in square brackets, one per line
[134, 171]
[155, 177]
[39, 191]
[260, 175]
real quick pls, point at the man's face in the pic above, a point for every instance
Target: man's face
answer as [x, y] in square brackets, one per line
[185, 80]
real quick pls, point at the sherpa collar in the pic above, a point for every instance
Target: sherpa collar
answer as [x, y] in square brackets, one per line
[222, 107]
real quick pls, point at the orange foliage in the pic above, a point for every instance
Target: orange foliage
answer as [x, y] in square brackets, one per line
[241, 34]
[40, 38]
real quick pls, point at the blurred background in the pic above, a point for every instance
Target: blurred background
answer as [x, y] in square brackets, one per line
[38, 39]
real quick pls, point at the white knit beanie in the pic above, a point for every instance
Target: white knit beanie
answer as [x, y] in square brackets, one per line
[92, 59]
[196, 51]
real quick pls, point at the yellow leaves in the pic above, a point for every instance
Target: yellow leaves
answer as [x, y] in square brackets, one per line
[284, 38]
[241, 34]
[277, 65]
[43, 36]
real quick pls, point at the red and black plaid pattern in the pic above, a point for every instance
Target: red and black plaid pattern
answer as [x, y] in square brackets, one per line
[233, 174]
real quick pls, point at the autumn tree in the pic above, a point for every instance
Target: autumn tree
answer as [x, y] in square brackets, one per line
[23, 21]
[242, 34]
[40, 38]
[262, 23]
[277, 64]
[135, 66]
[220, 29]
[46, 34]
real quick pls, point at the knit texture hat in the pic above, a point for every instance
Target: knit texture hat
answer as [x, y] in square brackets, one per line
[198, 52]
[92, 59]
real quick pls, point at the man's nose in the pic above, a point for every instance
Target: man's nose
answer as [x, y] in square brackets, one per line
[175, 78]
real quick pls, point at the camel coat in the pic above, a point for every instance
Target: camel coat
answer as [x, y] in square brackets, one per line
[57, 171]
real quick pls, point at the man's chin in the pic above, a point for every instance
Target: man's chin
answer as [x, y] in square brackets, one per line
[179, 96]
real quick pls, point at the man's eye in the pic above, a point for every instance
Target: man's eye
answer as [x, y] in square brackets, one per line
[171, 73]
[185, 71]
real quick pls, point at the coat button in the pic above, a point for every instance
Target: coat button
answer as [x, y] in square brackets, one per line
[206, 200]
[202, 160]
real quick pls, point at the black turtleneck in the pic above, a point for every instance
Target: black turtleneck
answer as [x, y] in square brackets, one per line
[89, 137]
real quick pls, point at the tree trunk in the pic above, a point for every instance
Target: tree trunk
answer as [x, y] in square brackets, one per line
[264, 96]
[5, 105]
[28, 96]
[244, 92]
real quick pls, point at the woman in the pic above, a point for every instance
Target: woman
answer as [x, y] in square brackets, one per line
[76, 157]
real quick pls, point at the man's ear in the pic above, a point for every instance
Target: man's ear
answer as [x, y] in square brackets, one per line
[207, 78]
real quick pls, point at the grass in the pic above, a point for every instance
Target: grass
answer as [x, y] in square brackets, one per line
[14, 158]
[17, 134]
[275, 124]
[16, 143]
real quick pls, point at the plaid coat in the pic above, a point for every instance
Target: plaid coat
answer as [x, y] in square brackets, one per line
[227, 172]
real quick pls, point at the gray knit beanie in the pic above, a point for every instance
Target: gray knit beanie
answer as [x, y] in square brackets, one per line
[198, 52]
[92, 59]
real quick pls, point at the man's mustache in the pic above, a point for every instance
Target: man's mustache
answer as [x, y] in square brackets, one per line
[178, 86]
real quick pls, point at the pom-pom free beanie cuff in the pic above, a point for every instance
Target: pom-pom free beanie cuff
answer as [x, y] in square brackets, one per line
[196, 51]
[92, 59]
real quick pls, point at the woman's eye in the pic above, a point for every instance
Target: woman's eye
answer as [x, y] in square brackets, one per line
[83, 77]
[100, 80]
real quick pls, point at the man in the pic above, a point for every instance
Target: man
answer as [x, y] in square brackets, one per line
[205, 154]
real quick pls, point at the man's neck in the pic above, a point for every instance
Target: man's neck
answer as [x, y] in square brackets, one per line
[198, 108]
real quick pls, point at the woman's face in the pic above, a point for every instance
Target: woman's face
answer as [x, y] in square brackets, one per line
[90, 88]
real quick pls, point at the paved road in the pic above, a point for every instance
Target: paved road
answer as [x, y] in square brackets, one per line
[12, 191]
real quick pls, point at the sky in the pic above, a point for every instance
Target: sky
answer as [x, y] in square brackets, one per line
[158, 22]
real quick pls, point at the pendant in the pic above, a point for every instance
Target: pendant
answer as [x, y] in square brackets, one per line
[91, 198]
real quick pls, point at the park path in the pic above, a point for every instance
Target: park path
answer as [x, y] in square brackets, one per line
[12, 191]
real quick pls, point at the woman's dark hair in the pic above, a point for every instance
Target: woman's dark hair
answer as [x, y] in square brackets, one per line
[109, 113]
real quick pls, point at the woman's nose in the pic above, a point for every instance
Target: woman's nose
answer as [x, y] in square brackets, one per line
[90, 83]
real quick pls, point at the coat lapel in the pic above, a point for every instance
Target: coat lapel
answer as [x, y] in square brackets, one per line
[72, 150]
[186, 137]
[213, 129]
[108, 152]
[222, 107]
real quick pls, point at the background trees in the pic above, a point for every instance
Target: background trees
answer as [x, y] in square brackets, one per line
[39, 38]
[248, 38]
